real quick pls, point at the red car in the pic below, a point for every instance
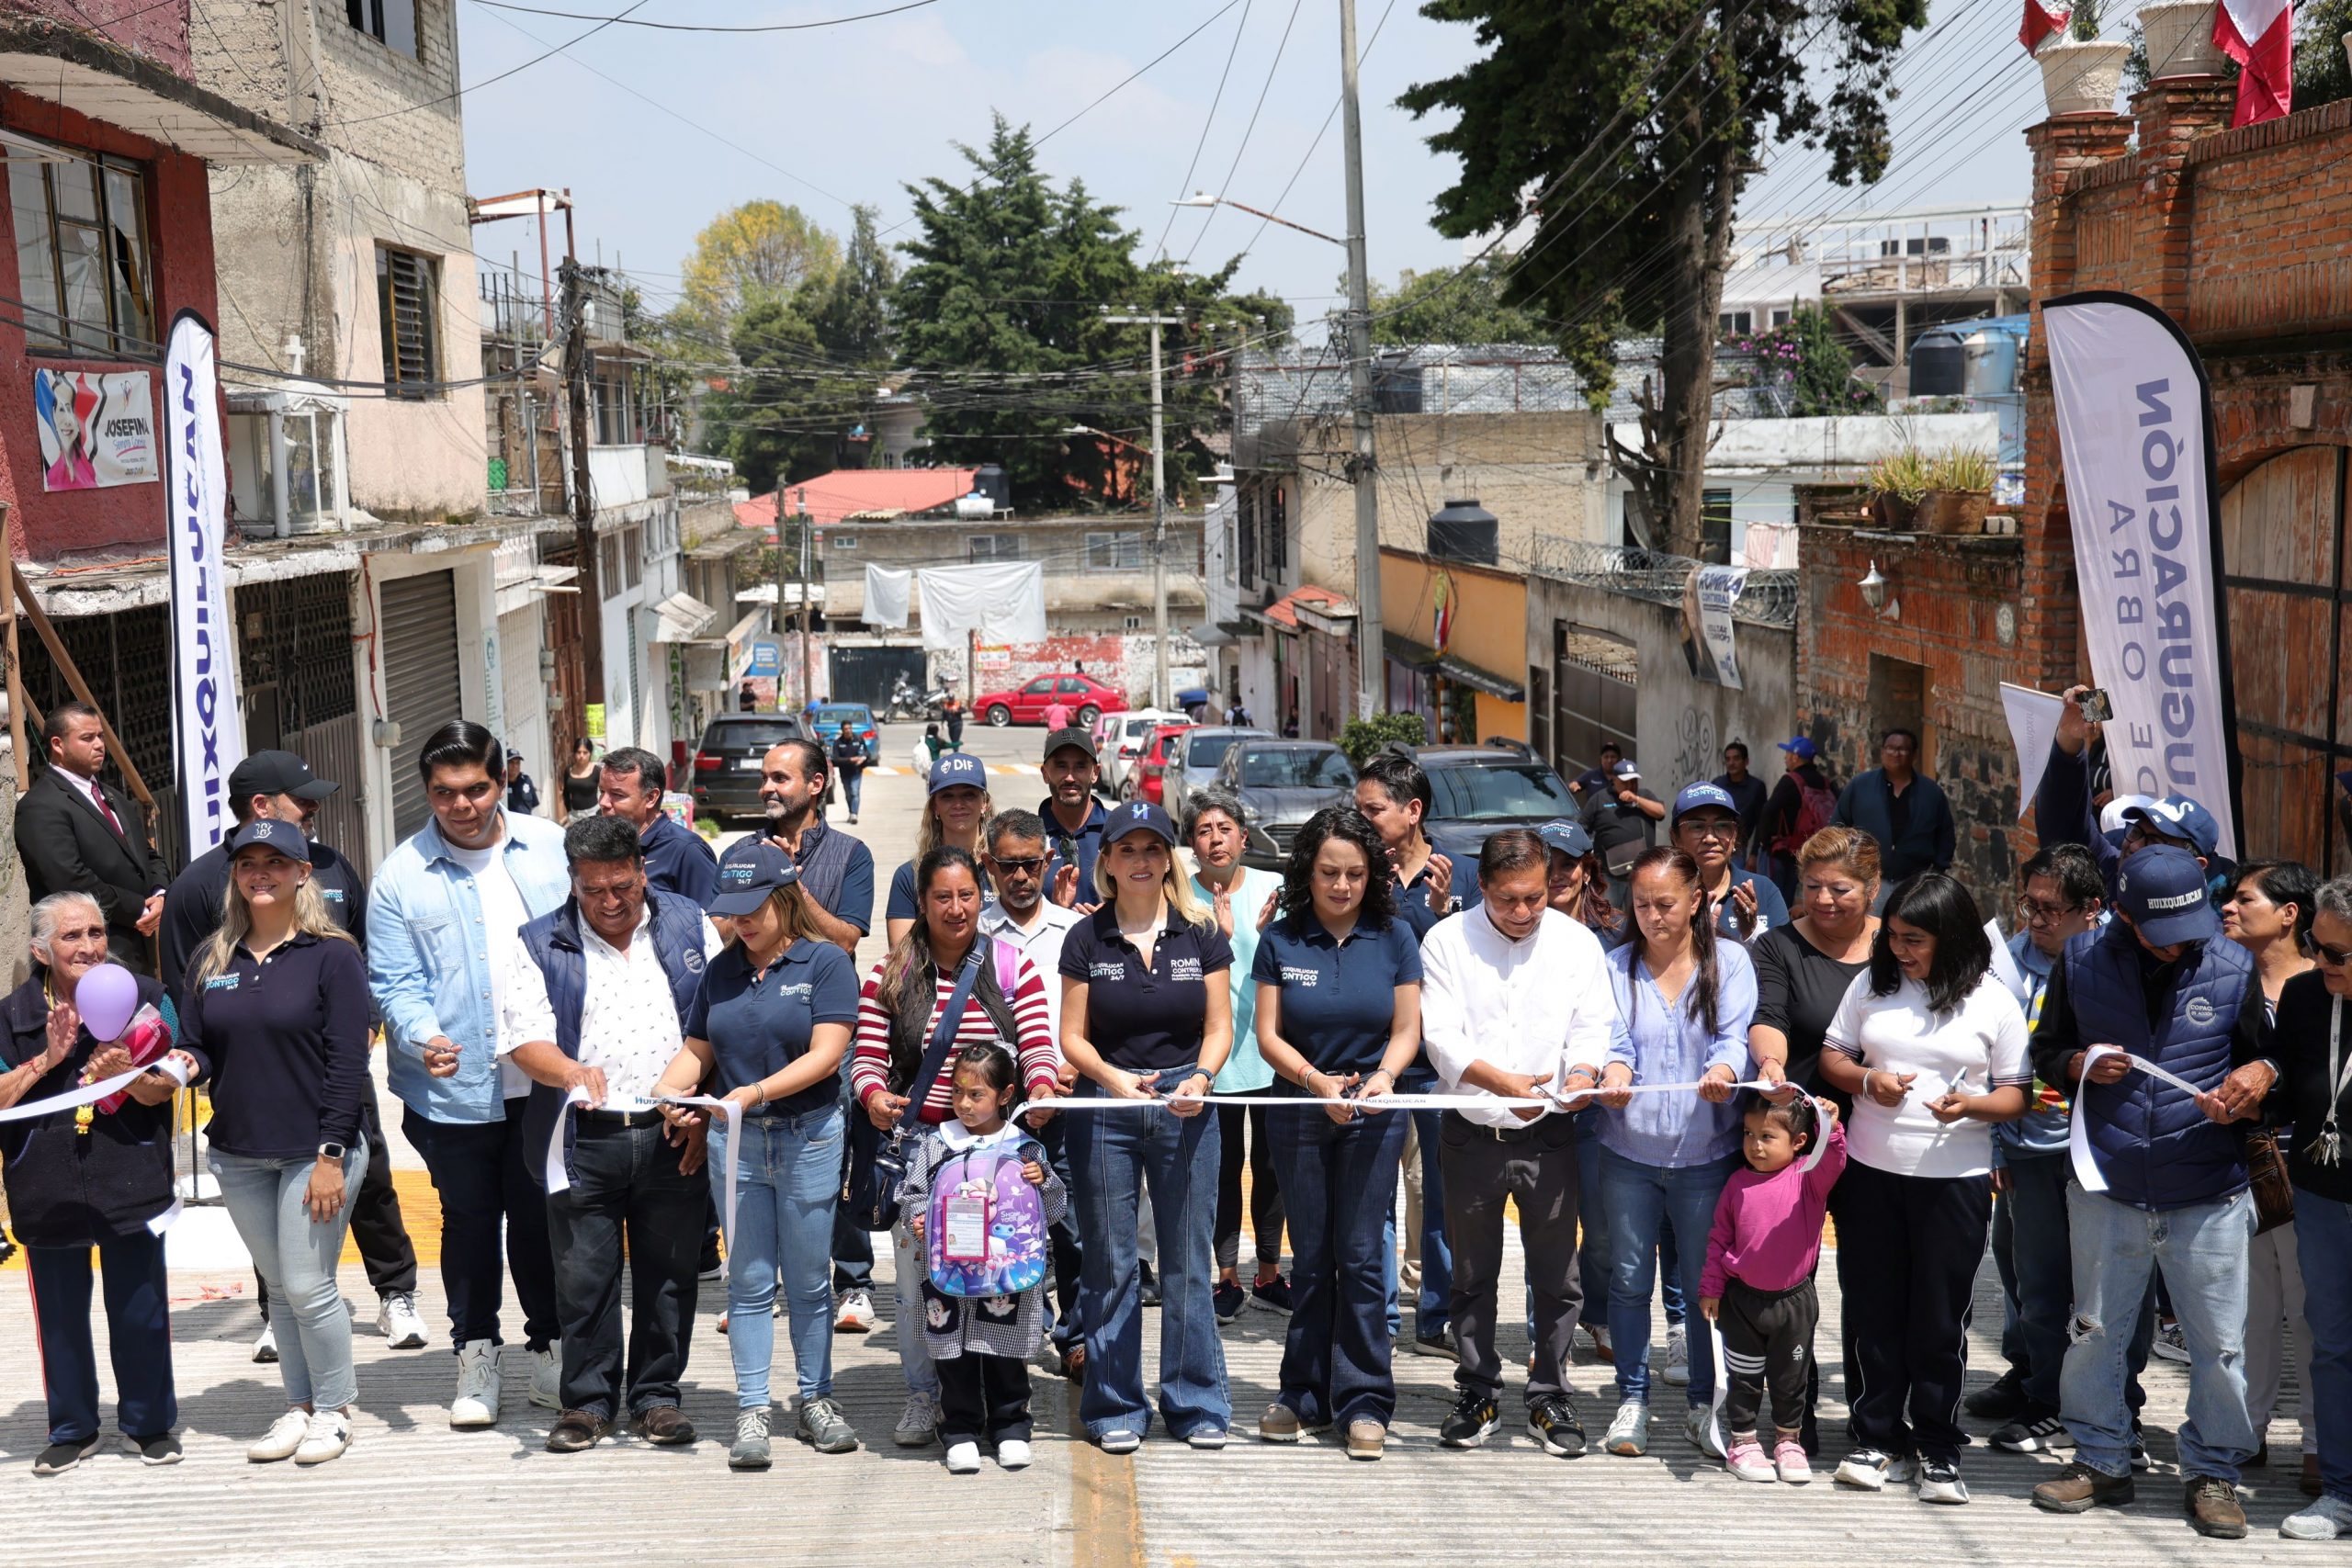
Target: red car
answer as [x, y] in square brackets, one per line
[1087, 698]
[1147, 779]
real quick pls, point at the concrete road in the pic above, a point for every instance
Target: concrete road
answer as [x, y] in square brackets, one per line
[410, 1490]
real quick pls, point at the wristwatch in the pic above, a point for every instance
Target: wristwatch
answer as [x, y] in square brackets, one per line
[332, 1151]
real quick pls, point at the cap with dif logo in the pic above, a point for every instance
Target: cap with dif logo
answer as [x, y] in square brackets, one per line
[954, 768]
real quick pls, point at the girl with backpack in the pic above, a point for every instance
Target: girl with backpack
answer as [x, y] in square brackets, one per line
[984, 1244]
[1802, 803]
[899, 1015]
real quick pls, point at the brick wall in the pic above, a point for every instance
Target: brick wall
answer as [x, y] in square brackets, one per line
[158, 31]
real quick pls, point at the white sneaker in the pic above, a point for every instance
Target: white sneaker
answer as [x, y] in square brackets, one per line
[1629, 1430]
[265, 1345]
[1699, 1425]
[854, 1314]
[1677, 1356]
[476, 1401]
[397, 1317]
[2324, 1520]
[546, 1376]
[328, 1435]
[284, 1436]
[1012, 1454]
[963, 1459]
[1869, 1469]
[918, 1424]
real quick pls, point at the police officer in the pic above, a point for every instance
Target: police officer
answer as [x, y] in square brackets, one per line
[279, 787]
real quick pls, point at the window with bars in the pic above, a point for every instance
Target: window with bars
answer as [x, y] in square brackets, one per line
[408, 303]
[633, 557]
[1245, 539]
[392, 23]
[1115, 552]
[82, 255]
[996, 547]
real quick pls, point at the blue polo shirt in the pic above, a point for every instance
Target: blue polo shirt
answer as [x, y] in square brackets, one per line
[1086, 842]
[1339, 998]
[1146, 1018]
[677, 861]
[1413, 901]
[283, 1042]
[1771, 910]
[759, 1024]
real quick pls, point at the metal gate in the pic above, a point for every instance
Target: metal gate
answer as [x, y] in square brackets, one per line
[125, 658]
[866, 674]
[301, 695]
[421, 693]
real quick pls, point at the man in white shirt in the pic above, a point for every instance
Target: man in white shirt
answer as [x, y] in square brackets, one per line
[1016, 860]
[595, 1001]
[1515, 1004]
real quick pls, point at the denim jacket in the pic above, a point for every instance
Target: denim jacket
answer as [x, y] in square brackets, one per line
[429, 962]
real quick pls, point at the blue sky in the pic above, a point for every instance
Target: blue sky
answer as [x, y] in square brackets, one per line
[826, 117]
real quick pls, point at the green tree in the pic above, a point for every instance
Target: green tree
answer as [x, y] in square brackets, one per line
[1824, 380]
[1449, 305]
[2322, 76]
[1629, 127]
[782, 413]
[851, 309]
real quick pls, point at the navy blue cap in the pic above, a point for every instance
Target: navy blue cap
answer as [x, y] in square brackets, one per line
[954, 768]
[270, 833]
[1569, 837]
[2161, 890]
[1625, 770]
[2178, 817]
[1137, 817]
[1698, 797]
[753, 869]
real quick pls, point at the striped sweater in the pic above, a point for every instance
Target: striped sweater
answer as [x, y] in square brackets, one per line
[1040, 1055]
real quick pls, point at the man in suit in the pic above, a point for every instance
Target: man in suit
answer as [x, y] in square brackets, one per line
[78, 835]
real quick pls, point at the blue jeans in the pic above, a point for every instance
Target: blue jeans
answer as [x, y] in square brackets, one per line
[2202, 1251]
[853, 787]
[1641, 1200]
[912, 1263]
[1338, 1182]
[786, 1186]
[298, 1256]
[1115, 1155]
[2324, 1243]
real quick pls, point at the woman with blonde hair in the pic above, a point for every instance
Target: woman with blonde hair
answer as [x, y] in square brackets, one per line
[276, 1019]
[1147, 1014]
[956, 813]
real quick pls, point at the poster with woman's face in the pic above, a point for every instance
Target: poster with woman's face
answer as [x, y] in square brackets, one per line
[96, 429]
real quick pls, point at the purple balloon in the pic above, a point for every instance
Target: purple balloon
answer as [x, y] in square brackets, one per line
[106, 997]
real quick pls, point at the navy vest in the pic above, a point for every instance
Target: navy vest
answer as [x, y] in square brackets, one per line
[2157, 1149]
[554, 943]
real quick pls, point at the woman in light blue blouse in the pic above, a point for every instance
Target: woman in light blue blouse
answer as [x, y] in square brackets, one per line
[1684, 1000]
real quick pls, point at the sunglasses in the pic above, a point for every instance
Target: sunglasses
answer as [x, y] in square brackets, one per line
[2334, 957]
[1027, 865]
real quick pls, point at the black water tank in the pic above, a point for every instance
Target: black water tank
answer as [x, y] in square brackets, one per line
[990, 482]
[1939, 365]
[1465, 531]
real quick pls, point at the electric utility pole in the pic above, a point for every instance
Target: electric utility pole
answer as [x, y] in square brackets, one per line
[1372, 658]
[1159, 690]
[583, 500]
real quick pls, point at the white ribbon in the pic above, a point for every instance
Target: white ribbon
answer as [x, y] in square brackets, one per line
[2078, 1137]
[91, 1093]
[558, 1178]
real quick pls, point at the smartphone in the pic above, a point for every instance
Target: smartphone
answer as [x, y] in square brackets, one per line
[2096, 705]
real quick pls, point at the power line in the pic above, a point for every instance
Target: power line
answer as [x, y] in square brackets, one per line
[473, 86]
[1207, 120]
[703, 27]
[1235, 166]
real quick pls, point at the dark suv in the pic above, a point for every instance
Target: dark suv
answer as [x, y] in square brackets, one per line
[727, 764]
[1476, 790]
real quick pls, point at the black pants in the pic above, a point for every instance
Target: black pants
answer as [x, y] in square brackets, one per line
[1535, 1165]
[983, 1396]
[490, 1193]
[626, 1188]
[1907, 1250]
[375, 1225]
[1768, 1339]
[1265, 1189]
[139, 1336]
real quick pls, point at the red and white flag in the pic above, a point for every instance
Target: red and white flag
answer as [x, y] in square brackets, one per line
[2043, 17]
[2259, 35]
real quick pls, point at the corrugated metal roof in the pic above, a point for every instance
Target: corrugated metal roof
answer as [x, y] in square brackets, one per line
[831, 498]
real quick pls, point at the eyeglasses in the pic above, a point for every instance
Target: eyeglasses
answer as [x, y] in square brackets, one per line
[1027, 865]
[2035, 912]
[2334, 957]
[1712, 827]
[2140, 836]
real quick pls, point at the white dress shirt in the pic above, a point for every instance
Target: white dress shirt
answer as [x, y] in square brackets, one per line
[1540, 1006]
[1041, 943]
[628, 1020]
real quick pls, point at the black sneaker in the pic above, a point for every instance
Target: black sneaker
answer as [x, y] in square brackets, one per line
[1940, 1482]
[2001, 1400]
[1228, 1300]
[2034, 1432]
[1439, 1344]
[1552, 1422]
[59, 1458]
[1272, 1295]
[1149, 1282]
[164, 1447]
[2140, 1458]
[1471, 1421]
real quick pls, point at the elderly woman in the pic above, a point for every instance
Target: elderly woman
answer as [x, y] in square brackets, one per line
[73, 1187]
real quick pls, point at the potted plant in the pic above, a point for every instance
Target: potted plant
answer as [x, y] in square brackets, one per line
[1897, 484]
[2179, 36]
[1959, 490]
[2081, 73]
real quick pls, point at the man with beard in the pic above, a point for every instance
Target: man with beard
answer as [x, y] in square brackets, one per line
[1073, 818]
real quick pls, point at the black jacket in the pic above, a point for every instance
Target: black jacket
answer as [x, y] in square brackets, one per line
[67, 848]
[192, 906]
[72, 1189]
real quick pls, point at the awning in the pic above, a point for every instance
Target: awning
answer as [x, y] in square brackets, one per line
[1420, 656]
[725, 547]
[681, 617]
[93, 77]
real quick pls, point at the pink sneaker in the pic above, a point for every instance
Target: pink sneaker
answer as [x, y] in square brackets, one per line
[1788, 1457]
[1746, 1460]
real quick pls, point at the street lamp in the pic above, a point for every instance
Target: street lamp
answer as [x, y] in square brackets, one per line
[1089, 430]
[1203, 198]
